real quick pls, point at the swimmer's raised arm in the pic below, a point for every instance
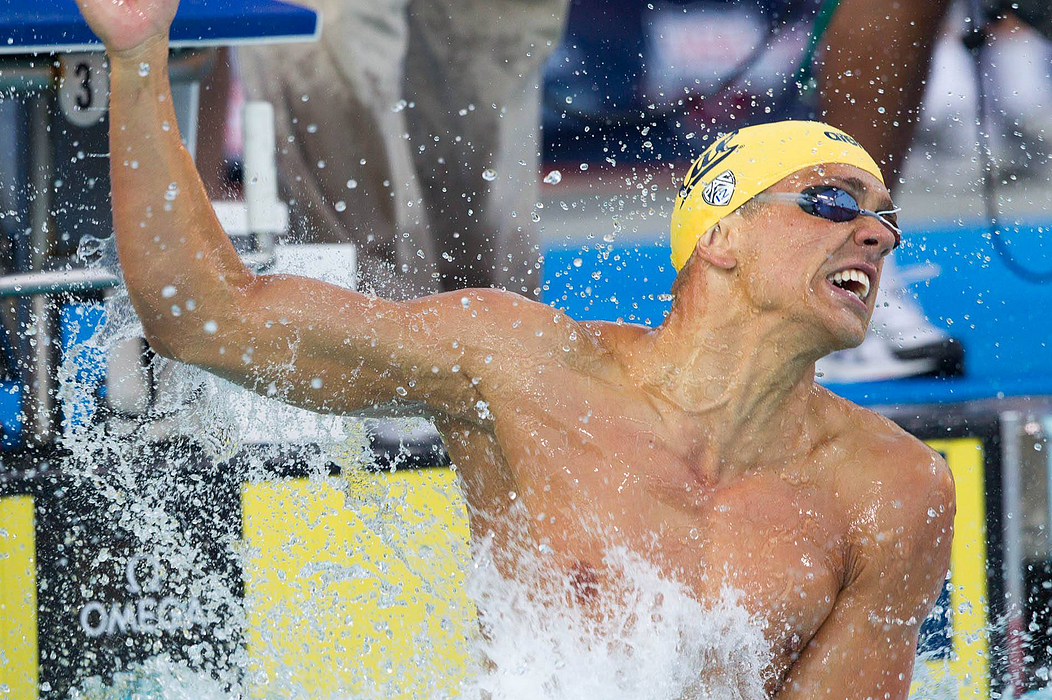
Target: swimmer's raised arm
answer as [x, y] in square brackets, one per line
[307, 342]
[167, 234]
[903, 529]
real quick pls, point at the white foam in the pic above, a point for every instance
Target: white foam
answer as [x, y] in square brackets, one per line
[643, 638]
[646, 638]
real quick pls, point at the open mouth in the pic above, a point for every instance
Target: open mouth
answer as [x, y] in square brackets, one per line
[852, 280]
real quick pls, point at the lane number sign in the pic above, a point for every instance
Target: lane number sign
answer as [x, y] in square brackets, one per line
[83, 88]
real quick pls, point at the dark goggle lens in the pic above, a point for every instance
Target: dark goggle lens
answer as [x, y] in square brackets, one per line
[830, 203]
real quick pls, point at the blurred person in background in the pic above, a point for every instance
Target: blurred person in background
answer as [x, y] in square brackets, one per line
[878, 54]
[400, 166]
[872, 75]
[700, 67]
[411, 128]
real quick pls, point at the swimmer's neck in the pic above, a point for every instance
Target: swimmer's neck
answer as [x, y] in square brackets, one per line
[745, 382]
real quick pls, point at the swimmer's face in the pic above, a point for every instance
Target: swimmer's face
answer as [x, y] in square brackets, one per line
[789, 258]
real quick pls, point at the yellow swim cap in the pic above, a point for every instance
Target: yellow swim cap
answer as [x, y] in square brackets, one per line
[743, 163]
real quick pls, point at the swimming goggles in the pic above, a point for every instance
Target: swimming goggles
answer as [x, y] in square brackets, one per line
[834, 204]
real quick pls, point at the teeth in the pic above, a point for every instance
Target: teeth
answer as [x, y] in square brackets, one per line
[853, 275]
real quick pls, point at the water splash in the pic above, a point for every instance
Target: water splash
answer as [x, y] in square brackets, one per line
[646, 638]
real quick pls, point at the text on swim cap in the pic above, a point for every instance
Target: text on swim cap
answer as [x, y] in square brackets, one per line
[843, 138]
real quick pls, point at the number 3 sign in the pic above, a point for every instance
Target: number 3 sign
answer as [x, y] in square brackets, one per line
[83, 88]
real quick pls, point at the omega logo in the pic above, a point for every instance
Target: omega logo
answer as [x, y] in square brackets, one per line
[144, 614]
[153, 584]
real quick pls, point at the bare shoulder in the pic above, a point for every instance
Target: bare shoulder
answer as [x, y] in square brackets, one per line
[885, 455]
[503, 333]
[478, 313]
[899, 500]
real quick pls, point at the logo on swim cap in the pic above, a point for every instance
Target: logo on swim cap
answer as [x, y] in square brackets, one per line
[718, 193]
[749, 161]
[713, 156]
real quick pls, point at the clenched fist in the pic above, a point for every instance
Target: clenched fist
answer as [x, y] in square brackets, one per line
[124, 25]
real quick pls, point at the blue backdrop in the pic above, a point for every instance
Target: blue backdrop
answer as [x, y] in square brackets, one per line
[1003, 320]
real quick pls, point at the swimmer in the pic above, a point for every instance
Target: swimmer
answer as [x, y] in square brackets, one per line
[704, 443]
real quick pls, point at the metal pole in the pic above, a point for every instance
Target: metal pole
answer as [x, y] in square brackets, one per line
[1011, 424]
[40, 407]
[1046, 429]
[86, 279]
[261, 175]
[27, 284]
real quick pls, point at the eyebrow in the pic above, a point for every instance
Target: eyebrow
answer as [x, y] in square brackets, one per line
[859, 187]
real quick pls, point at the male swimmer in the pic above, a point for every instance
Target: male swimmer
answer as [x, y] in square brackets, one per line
[704, 443]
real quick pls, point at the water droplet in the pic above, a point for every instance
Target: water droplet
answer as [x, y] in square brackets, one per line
[312, 128]
[535, 216]
[584, 166]
[168, 292]
[172, 192]
[489, 174]
[554, 177]
[465, 302]
[211, 327]
[352, 183]
[144, 69]
[693, 533]
[340, 205]
[400, 390]
[316, 384]
[577, 262]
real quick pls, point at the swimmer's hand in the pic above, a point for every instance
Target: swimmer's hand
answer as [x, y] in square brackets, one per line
[126, 25]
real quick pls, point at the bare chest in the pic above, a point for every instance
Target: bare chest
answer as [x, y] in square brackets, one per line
[590, 478]
[779, 559]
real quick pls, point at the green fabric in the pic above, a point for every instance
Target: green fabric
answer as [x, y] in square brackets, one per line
[803, 75]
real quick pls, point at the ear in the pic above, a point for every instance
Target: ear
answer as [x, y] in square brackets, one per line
[714, 247]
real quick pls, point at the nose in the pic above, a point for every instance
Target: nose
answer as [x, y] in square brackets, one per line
[872, 234]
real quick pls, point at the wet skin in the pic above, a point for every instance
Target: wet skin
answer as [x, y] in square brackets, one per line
[703, 444]
[792, 535]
